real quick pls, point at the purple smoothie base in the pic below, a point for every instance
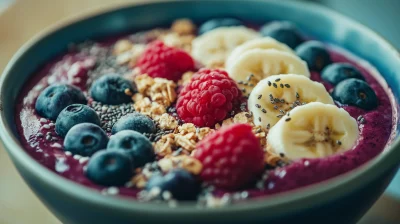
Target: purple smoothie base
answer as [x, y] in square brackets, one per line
[73, 68]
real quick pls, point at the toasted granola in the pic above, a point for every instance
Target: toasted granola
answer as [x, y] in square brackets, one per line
[163, 92]
[158, 90]
[183, 27]
[139, 180]
[145, 106]
[144, 83]
[186, 162]
[122, 46]
[167, 121]
[186, 77]
[165, 145]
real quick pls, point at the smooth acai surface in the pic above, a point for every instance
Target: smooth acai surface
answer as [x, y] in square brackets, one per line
[176, 102]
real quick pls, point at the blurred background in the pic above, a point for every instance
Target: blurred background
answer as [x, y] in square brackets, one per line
[21, 19]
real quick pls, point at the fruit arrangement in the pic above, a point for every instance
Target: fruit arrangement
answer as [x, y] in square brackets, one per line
[218, 106]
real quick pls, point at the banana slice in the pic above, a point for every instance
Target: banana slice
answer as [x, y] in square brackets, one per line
[257, 64]
[276, 95]
[213, 47]
[260, 43]
[315, 130]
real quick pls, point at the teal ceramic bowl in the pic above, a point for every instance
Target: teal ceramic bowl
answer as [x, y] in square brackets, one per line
[343, 199]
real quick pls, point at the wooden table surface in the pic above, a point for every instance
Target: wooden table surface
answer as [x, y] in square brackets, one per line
[24, 18]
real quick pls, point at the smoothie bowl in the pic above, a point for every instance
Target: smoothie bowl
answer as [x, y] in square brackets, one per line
[204, 111]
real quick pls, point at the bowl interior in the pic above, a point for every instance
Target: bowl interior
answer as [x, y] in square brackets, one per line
[315, 20]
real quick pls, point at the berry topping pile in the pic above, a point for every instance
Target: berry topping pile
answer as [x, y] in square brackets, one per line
[204, 113]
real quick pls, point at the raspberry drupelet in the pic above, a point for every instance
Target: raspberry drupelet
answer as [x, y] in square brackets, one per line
[208, 98]
[160, 60]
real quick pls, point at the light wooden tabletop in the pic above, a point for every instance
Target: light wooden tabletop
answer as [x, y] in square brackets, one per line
[20, 22]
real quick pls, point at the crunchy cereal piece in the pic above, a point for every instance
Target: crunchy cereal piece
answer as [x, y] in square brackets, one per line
[143, 83]
[123, 58]
[163, 92]
[186, 77]
[165, 145]
[137, 97]
[183, 26]
[159, 90]
[145, 106]
[157, 110]
[128, 92]
[217, 126]
[186, 162]
[139, 180]
[174, 40]
[166, 164]
[215, 64]
[122, 46]
[167, 121]
[271, 158]
[185, 141]
[191, 164]
[243, 118]
[260, 133]
[227, 122]
[131, 56]
[135, 53]
[203, 132]
[187, 128]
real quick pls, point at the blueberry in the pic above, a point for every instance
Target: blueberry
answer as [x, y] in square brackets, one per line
[218, 22]
[75, 114]
[110, 168]
[136, 122]
[180, 183]
[85, 139]
[355, 92]
[55, 98]
[110, 89]
[315, 54]
[283, 31]
[338, 72]
[136, 145]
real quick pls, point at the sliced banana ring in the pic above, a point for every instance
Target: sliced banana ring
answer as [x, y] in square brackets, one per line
[257, 64]
[277, 95]
[213, 47]
[260, 43]
[315, 130]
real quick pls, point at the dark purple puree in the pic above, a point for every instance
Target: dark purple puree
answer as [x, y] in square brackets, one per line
[79, 67]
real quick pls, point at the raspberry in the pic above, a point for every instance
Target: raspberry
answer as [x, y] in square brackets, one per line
[160, 60]
[208, 98]
[232, 157]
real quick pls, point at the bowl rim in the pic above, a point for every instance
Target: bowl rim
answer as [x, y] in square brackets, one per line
[293, 200]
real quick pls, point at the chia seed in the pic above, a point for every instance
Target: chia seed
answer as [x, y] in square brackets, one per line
[110, 114]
